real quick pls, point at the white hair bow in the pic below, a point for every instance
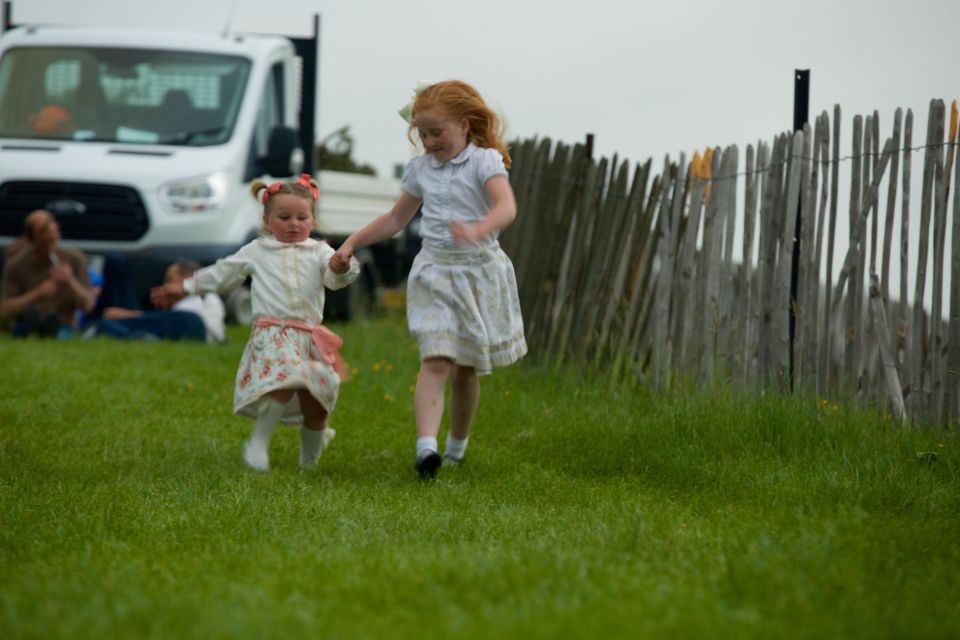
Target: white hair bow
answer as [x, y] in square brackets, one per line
[406, 111]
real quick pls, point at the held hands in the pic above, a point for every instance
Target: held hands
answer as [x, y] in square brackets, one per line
[340, 261]
[164, 296]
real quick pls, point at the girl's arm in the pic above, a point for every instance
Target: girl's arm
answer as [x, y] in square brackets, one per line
[380, 228]
[501, 214]
[333, 280]
[227, 273]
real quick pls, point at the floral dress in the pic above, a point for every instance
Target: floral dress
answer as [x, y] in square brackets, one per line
[287, 284]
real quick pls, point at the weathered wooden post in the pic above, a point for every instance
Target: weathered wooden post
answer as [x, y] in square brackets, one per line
[801, 110]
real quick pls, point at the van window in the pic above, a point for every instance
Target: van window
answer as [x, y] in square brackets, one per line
[120, 95]
[270, 111]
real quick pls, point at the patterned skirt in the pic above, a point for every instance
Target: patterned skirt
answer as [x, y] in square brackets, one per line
[463, 305]
[283, 358]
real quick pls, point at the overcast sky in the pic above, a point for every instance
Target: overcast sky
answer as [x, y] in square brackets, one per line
[647, 78]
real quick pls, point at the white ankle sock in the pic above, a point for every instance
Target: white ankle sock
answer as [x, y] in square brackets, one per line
[426, 445]
[456, 448]
[256, 452]
[313, 444]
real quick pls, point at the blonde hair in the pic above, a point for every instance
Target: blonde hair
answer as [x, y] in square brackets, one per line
[264, 193]
[459, 100]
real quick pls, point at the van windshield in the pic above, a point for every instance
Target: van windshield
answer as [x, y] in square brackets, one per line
[135, 96]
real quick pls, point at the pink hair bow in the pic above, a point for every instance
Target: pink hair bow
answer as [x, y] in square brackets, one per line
[267, 191]
[304, 180]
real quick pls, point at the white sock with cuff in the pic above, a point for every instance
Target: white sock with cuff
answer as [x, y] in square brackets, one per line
[455, 449]
[425, 446]
[256, 454]
[313, 444]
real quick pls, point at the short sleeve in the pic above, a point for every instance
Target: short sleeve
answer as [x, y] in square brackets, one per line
[11, 287]
[490, 164]
[410, 183]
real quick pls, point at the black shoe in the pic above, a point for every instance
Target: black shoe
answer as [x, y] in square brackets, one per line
[427, 465]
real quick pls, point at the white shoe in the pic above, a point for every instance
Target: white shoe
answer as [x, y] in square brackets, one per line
[256, 456]
[451, 461]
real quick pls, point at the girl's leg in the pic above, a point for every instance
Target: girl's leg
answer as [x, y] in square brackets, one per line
[428, 395]
[464, 398]
[256, 452]
[428, 407]
[315, 434]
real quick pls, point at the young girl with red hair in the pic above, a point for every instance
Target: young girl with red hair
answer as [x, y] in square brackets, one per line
[462, 303]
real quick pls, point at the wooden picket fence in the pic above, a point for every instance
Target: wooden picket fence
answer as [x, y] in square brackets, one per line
[634, 274]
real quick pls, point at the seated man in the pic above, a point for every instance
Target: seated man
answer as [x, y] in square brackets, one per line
[45, 284]
[193, 318]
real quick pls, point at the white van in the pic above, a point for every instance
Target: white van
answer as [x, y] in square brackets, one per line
[144, 142]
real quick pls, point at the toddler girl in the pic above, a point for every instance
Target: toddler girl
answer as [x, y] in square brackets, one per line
[291, 368]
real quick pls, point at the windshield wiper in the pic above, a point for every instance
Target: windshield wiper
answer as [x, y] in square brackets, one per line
[186, 137]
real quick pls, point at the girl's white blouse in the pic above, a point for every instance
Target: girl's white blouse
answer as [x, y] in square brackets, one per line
[453, 190]
[288, 279]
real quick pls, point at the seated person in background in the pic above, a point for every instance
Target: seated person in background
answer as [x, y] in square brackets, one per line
[45, 284]
[53, 120]
[192, 318]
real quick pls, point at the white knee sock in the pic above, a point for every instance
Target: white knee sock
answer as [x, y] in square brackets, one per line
[313, 444]
[256, 452]
[425, 446]
[456, 448]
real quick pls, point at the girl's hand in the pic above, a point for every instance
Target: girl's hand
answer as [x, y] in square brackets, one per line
[466, 233]
[164, 296]
[340, 261]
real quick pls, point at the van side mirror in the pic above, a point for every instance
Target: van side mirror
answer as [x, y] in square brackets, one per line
[284, 155]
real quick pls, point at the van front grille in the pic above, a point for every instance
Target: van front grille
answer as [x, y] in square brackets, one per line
[85, 211]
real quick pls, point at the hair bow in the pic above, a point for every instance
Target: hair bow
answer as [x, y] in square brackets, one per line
[268, 191]
[304, 180]
[406, 111]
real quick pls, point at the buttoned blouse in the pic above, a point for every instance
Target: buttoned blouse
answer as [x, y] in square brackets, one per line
[452, 190]
[288, 278]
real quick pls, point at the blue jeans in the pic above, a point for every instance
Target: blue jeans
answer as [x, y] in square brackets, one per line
[163, 325]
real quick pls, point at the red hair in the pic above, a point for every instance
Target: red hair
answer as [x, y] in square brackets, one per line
[460, 101]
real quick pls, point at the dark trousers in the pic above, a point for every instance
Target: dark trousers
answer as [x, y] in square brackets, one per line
[164, 325]
[44, 325]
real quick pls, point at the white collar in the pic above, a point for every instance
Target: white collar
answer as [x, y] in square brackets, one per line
[272, 243]
[460, 158]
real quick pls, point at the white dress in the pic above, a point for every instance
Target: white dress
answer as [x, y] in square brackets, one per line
[462, 303]
[287, 283]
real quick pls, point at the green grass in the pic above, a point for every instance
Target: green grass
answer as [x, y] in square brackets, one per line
[582, 511]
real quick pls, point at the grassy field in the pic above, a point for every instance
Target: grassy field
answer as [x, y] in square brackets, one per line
[582, 511]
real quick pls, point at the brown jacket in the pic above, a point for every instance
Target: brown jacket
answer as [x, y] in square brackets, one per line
[26, 270]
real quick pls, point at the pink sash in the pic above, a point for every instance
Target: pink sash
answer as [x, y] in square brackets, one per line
[327, 342]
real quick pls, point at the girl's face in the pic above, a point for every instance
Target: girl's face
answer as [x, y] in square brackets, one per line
[290, 218]
[443, 137]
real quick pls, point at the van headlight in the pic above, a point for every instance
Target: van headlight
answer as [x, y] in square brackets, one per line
[204, 193]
